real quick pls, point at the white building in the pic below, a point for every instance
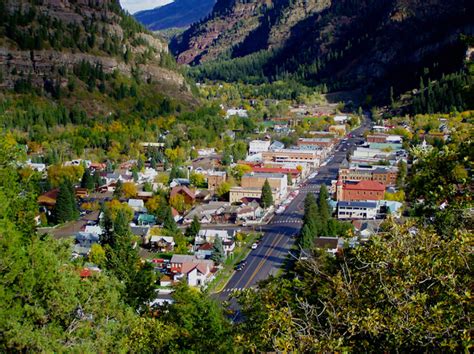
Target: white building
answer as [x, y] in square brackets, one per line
[340, 119]
[356, 210]
[259, 146]
[242, 113]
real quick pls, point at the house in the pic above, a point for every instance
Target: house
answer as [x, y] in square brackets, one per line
[366, 228]
[205, 212]
[204, 250]
[141, 231]
[195, 271]
[188, 194]
[39, 167]
[356, 210]
[330, 244]
[241, 113]
[259, 146]
[361, 190]
[180, 182]
[93, 229]
[162, 243]
[146, 220]
[137, 205]
[237, 194]
[84, 242]
[251, 211]
[48, 199]
[210, 235]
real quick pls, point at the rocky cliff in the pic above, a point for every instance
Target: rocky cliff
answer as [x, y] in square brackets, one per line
[44, 41]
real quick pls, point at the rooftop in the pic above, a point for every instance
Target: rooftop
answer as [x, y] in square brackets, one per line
[365, 185]
[357, 204]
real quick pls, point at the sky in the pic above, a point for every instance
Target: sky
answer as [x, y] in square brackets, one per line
[137, 5]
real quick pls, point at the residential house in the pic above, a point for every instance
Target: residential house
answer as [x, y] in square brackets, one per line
[361, 190]
[252, 211]
[195, 271]
[340, 119]
[205, 212]
[184, 182]
[162, 243]
[84, 242]
[48, 199]
[188, 194]
[356, 210]
[330, 244]
[146, 220]
[137, 205]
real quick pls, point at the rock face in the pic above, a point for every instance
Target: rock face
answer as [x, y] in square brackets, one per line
[365, 42]
[178, 14]
[43, 42]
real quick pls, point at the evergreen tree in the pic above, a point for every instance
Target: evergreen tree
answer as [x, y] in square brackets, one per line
[324, 209]
[87, 180]
[97, 179]
[63, 210]
[168, 221]
[267, 197]
[118, 190]
[218, 254]
[194, 228]
[289, 179]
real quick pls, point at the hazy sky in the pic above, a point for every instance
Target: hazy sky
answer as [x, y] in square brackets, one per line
[137, 5]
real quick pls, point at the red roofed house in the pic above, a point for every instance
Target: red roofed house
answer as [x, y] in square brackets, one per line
[197, 272]
[189, 196]
[361, 190]
[48, 199]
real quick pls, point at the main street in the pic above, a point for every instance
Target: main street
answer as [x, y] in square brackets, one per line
[280, 232]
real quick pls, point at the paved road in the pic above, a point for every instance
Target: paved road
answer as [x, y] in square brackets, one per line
[281, 231]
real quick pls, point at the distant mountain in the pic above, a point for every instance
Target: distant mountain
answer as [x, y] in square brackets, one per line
[178, 14]
[344, 44]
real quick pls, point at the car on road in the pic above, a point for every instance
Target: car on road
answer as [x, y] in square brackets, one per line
[254, 245]
[239, 266]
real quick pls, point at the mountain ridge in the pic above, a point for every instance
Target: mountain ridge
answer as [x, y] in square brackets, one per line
[178, 14]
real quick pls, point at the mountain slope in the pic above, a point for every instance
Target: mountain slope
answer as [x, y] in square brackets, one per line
[178, 14]
[344, 43]
[82, 52]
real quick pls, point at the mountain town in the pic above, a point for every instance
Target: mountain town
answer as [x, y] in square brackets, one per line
[236, 176]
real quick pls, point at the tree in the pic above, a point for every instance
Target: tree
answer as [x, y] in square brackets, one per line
[65, 207]
[97, 255]
[289, 179]
[169, 223]
[402, 173]
[87, 180]
[118, 191]
[267, 196]
[129, 190]
[179, 203]
[197, 180]
[193, 229]
[218, 254]
[324, 209]
[223, 189]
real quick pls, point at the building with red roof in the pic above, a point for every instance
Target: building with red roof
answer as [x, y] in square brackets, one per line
[361, 190]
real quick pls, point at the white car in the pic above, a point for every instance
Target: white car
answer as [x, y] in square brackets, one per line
[254, 245]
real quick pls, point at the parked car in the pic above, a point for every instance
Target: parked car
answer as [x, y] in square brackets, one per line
[254, 245]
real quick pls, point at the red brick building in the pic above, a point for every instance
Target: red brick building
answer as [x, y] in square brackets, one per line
[362, 190]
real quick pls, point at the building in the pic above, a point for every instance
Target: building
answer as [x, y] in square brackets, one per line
[383, 174]
[356, 210]
[340, 119]
[361, 190]
[294, 172]
[278, 181]
[162, 243]
[315, 143]
[188, 195]
[215, 178]
[196, 272]
[311, 157]
[238, 193]
[259, 146]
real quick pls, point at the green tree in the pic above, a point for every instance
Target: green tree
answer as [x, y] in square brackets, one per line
[169, 223]
[65, 207]
[87, 180]
[267, 196]
[218, 254]
[324, 209]
[402, 173]
[193, 229]
[118, 191]
[289, 179]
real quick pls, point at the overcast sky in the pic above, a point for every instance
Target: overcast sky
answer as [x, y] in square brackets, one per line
[137, 5]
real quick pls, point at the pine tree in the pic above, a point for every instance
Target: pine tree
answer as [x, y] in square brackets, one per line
[324, 209]
[63, 210]
[218, 254]
[168, 221]
[194, 228]
[118, 190]
[87, 180]
[289, 179]
[267, 197]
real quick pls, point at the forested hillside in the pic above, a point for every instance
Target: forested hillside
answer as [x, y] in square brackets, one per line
[90, 54]
[345, 44]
